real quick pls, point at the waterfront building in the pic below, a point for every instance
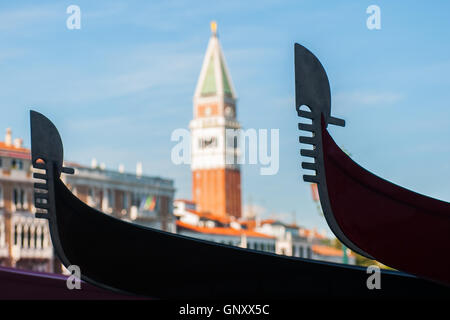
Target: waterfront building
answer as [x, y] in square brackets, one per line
[25, 240]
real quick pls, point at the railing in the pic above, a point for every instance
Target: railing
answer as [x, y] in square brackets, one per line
[30, 237]
[3, 246]
[21, 175]
[110, 175]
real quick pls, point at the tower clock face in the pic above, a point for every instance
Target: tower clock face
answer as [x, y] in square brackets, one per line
[229, 112]
[208, 142]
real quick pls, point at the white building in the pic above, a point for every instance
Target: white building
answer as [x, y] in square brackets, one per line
[216, 228]
[267, 235]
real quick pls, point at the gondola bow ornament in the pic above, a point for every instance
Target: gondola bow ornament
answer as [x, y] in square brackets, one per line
[371, 216]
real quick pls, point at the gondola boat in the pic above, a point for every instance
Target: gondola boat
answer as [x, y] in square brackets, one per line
[132, 259]
[17, 284]
[371, 216]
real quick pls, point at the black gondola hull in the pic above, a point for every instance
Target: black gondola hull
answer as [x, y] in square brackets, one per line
[129, 258]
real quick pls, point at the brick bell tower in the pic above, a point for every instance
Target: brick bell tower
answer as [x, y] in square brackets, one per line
[216, 182]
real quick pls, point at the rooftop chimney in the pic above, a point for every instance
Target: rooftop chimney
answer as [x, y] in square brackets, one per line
[139, 169]
[18, 142]
[94, 163]
[8, 137]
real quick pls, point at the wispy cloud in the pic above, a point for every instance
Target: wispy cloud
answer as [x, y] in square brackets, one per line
[121, 73]
[360, 99]
[15, 19]
[8, 54]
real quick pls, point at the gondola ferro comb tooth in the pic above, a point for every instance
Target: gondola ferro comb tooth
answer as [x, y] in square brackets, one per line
[38, 185]
[310, 178]
[41, 215]
[40, 195]
[309, 165]
[308, 140]
[38, 175]
[41, 205]
[306, 127]
[308, 153]
[336, 121]
[68, 170]
[305, 114]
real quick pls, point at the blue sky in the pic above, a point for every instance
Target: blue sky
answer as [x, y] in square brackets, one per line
[118, 87]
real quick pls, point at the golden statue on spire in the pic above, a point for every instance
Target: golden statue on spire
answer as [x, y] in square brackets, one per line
[214, 28]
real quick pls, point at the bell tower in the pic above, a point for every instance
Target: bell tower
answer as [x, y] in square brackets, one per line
[216, 181]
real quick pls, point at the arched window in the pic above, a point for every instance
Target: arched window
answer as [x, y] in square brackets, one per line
[110, 196]
[35, 242]
[2, 234]
[22, 198]
[15, 197]
[22, 238]
[29, 237]
[1, 196]
[42, 237]
[19, 198]
[15, 234]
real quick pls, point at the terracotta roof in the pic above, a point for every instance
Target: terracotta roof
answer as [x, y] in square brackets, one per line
[268, 221]
[222, 231]
[328, 251]
[11, 147]
[210, 216]
[13, 152]
[311, 233]
[249, 224]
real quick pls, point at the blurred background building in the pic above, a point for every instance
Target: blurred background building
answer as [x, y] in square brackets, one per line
[25, 241]
[141, 199]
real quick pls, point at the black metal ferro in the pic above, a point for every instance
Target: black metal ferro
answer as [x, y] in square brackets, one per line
[312, 89]
[369, 214]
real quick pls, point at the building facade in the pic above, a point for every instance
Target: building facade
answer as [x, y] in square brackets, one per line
[264, 235]
[220, 229]
[25, 241]
[141, 199]
[216, 177]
